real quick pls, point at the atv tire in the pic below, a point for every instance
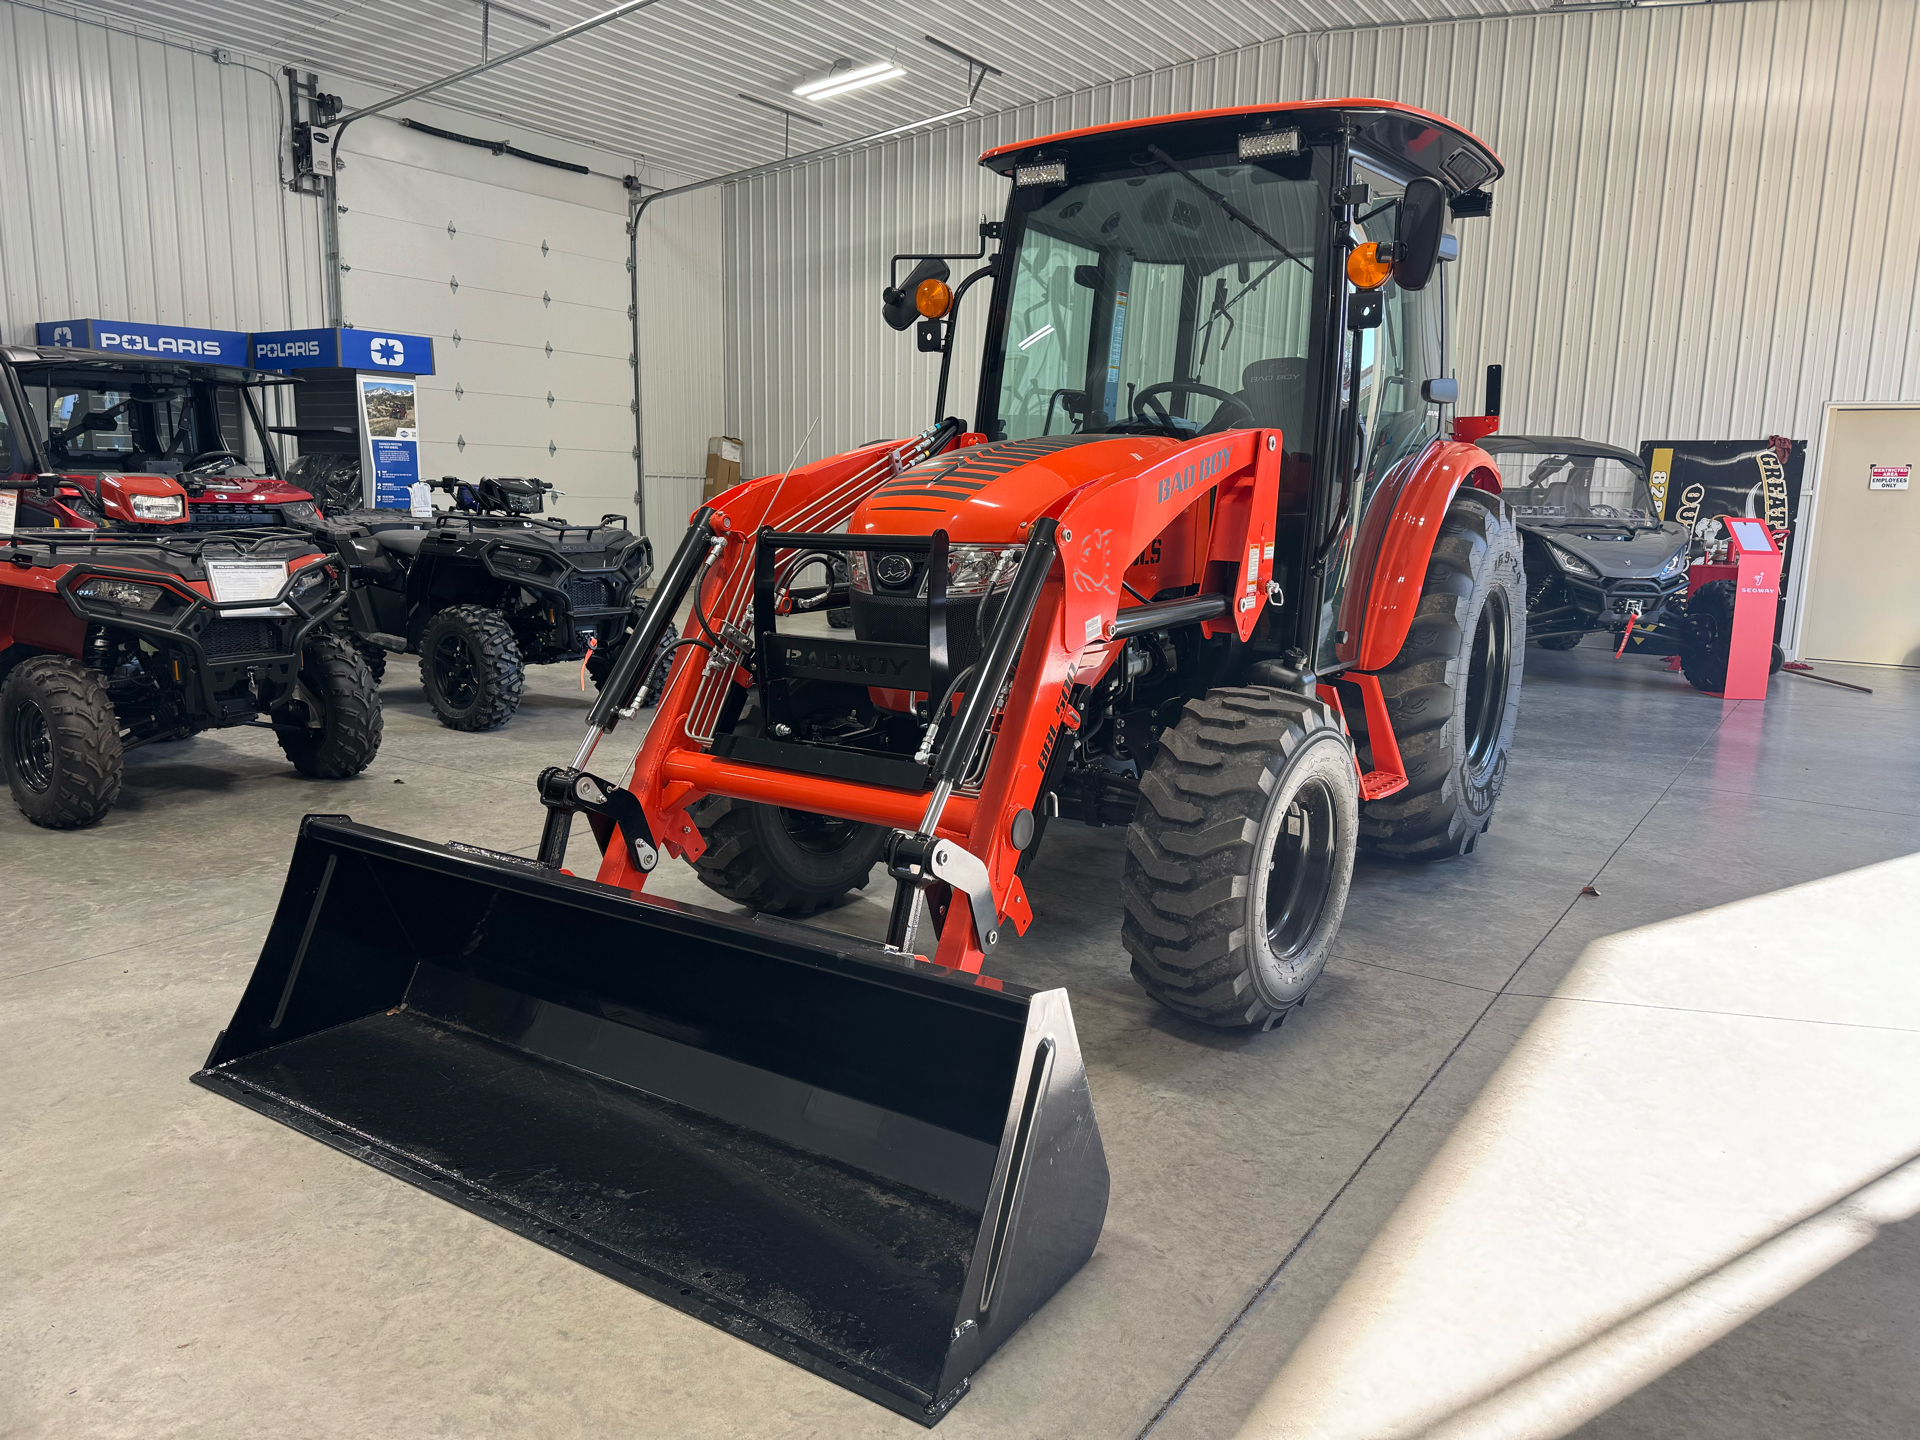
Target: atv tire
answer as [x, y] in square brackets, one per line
[1707, 633]
[347, 738]
[792, 863]
[59, 742]
[1218, 930]
[375, 657]
[471, 669]
[1454, 691]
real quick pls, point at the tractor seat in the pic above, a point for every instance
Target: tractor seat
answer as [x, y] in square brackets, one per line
[1275, 391]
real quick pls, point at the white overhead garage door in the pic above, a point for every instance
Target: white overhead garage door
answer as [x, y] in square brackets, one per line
[525, 293]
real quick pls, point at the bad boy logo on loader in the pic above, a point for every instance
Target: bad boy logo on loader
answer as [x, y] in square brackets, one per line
[1188, 476]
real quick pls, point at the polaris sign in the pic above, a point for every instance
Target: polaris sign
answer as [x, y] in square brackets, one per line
[379, 351]
[151, 342]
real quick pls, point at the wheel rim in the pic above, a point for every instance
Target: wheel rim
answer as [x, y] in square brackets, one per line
[454, 671]
[818, 835]
[1487, 671]
[32, 747]
[1300, 869]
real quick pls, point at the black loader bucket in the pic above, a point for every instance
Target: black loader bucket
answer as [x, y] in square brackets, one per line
[875, 1168]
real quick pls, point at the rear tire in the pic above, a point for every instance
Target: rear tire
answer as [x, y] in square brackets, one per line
[471, 668]
[59, 742]
[347, 737]
[1454, 691]
[1240, 856]
[1707, 633]
[792, 863]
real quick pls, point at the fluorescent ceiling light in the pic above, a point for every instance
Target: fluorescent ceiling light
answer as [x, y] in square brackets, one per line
[838, 82]
[891, 72]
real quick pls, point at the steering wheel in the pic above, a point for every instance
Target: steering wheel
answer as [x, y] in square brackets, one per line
[207, 457]
[1149, 411]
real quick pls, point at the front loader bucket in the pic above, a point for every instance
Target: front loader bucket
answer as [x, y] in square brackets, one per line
[875, 1168]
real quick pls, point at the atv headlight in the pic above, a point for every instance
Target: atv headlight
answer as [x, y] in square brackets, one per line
[977, 569]
[525, 562]
[1572, 563]
[857, 577]
[302, 511]
[1677, 565]
[157, 507]
[308, 581]
[130, 594]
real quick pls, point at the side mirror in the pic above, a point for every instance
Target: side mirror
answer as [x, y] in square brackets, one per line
[897, 303]
[1441, 392]
[1417, 232]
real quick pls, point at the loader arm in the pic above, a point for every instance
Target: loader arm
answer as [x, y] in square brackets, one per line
[1070, 639]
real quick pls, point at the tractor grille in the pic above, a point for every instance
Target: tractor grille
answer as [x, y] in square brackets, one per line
[219, 513]
[240, 637]
[586, 592]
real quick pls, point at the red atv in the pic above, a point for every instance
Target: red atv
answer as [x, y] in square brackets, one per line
[111, 639]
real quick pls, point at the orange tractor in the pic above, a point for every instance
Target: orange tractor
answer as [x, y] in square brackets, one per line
[1206, 564]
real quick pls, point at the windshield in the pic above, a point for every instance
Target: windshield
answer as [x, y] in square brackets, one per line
[1575, 487]
[101, 419]
[1145, 304]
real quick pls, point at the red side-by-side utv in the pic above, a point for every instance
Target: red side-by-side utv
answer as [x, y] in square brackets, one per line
[1206, 562]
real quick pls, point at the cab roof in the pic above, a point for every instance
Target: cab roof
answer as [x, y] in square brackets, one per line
[1429, 143]
[79, 358]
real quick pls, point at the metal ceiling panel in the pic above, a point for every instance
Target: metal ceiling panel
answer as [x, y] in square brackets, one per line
[663, 83]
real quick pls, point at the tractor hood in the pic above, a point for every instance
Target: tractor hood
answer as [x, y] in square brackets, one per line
[1617, 550]
[989, 493]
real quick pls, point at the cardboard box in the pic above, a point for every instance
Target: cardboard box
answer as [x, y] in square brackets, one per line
[723, 465]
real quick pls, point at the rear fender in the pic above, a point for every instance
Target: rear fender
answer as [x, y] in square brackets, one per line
[1397, 538]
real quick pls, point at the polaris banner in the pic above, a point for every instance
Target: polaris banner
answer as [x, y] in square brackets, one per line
[154, 342]
[392, 428]
[373, 350]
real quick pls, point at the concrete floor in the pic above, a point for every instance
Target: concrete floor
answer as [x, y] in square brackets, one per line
[176, 1265]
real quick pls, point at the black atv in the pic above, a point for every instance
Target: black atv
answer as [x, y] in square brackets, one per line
[115, 640]
[1599, 557]
[483, 590]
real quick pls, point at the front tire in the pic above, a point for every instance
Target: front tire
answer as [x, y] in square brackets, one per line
[471, 668]
[792, 863]
[60, 742]
[342, 740]
[1454, 692]
[1240, 856]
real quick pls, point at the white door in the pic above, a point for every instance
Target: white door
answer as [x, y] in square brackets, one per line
[1865, 572]
[525, 294]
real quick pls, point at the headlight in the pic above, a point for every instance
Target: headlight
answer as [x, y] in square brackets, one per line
[1572, 563]
[157, 507]
[518, 560]
[300, 510]
[120, 592]
[1676, 565]
[308, 581]
[977, 569]
[857, 577]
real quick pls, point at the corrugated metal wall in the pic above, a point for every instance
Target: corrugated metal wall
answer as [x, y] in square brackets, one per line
[1707, 227]
[138, 181]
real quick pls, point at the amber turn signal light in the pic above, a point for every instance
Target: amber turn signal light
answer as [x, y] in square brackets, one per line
[1369, 265]
[933, 298]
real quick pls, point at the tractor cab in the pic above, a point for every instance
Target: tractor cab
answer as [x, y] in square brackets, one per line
[1163, 281]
